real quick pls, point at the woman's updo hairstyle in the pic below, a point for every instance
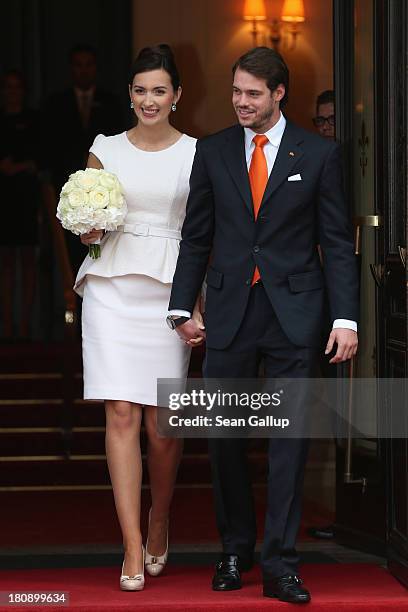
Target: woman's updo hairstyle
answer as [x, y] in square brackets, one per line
[155, 58]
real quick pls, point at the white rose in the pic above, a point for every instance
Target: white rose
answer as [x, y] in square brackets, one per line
[99, 197]
[115, 198]
[108, 180]
[88, 180]
[77, 197]
[76, 175]
[63, 201]
[62, 211]
[96, 171]
[69, 186]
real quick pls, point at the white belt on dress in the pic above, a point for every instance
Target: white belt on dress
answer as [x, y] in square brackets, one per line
[144, 229]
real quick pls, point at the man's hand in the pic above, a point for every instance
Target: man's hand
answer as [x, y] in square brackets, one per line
[192, 331]
[347, 342]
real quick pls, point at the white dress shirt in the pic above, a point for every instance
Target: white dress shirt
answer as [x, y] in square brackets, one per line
[274, 136]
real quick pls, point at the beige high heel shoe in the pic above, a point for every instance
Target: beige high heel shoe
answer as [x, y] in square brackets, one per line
[155, 565]
[133, 583]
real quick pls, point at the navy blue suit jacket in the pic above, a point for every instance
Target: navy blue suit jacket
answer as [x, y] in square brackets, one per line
[221, 237]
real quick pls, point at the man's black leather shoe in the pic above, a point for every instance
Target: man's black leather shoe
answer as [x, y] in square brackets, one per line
[227, 575]
[286, 588]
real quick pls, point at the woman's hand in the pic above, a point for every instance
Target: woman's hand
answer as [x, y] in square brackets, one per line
[198, 319]
[91, 237]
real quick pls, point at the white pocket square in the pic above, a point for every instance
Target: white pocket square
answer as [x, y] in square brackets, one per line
[295, 177]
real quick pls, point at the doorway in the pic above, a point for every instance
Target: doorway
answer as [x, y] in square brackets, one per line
[371, 97]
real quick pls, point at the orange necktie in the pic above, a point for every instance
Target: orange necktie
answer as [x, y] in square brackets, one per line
[258, 178]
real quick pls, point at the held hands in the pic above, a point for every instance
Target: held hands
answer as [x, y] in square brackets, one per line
[91, 237]
[192, 332]
[347, 342]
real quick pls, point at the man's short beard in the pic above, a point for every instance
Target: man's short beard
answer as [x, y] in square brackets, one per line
[262, 121]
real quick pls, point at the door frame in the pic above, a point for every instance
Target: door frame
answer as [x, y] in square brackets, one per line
[391, 197]
[392, 95]
[365, 532]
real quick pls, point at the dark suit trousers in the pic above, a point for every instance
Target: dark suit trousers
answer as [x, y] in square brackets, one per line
[260, 337]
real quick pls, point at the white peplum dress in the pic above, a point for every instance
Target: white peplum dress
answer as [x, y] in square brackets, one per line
[126, 342]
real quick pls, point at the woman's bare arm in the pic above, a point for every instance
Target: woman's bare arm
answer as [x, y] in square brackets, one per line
[93, 162]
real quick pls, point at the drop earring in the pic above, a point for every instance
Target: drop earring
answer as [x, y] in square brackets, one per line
[174, 107]
[132, 105]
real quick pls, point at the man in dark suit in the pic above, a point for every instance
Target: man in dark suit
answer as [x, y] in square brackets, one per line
[262, 194]
[72, 119]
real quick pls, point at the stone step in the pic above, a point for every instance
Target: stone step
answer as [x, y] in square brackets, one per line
[87, 470]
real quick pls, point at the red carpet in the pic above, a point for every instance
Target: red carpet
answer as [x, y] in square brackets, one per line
[334, 587]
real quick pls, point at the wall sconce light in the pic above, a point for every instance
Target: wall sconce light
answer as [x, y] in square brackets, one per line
[254, 10]
[293, 13]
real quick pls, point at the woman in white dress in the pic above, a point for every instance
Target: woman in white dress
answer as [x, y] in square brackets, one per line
[126, 342]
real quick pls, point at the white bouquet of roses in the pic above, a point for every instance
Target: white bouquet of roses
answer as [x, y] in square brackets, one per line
[91, 199]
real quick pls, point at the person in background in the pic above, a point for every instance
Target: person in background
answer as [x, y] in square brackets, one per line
[72, 119]
[20, 194]
[324, 121]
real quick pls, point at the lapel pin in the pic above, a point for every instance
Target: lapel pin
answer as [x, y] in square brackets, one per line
[291, 153]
